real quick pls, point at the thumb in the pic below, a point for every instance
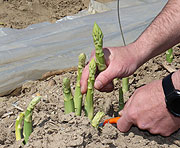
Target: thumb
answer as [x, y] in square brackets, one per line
[123, 124]
[104, 78]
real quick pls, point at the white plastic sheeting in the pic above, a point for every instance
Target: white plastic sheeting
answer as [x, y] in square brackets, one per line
[28, 53]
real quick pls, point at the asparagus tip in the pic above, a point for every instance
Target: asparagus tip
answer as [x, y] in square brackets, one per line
[82, 59]
[66, 82]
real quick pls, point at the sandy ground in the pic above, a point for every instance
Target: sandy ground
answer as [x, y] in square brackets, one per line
[52, 128]
[21, 13]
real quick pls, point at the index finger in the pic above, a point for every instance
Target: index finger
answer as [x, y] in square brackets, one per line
[124, 124]
[84, 79]
[85, 75]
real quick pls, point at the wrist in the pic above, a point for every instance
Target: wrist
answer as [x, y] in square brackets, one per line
[132, 51]
[141, 52]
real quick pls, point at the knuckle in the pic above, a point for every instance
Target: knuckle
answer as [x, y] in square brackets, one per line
[161, 132]
[154, 131]
[142, 126]
[104, 79]
[165, 133]
[132, 114]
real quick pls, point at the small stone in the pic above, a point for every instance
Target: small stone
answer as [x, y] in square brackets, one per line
[52, 82]
[153, 142]
[131, 135]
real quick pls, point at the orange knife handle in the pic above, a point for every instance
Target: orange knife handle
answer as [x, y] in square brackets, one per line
[112, 120]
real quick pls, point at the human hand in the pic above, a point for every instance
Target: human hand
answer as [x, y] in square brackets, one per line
[147, 110]
[120, 61]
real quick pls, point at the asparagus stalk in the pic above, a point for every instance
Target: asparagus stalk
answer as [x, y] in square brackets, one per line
[97, 118]
[98, 42]
[28, 118]
[77, 95]
[89, 110]
[68, 98]
[18, 126]
[125, 81]
[169, 55]
[125, 84]
[121, 99]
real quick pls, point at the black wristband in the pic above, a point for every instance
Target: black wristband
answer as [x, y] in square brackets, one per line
[172, 96]
[168, 89]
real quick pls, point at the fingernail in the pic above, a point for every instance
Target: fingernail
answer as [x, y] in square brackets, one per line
[120, 113]
[98, 84]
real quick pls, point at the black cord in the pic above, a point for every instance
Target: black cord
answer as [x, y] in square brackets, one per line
[119, 20]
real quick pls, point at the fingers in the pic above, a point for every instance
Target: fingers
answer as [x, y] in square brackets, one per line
[124, 124]
[84, 79]
[85, 75]
[104, 78]
[108, 88]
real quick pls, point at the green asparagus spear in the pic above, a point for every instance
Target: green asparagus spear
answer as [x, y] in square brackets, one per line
[18, 126]
[28, 118]
[89, 110]
[98, 42]
[125, 84]
[77, 95]
[169, 55]
[97, 118]
[68, 97]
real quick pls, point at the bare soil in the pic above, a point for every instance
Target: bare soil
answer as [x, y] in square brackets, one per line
[22, 13]
[52, 128]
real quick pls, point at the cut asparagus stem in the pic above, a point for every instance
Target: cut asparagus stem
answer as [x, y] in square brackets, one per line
[68, 97]
[18, 126]
[28, 118]
[96, 120]
[98, 43]
[169, 55]
[121, 99]
[125, 84]
[77, 95]
[89, 110]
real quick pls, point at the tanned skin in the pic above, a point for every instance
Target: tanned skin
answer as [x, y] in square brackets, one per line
[162, 34]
